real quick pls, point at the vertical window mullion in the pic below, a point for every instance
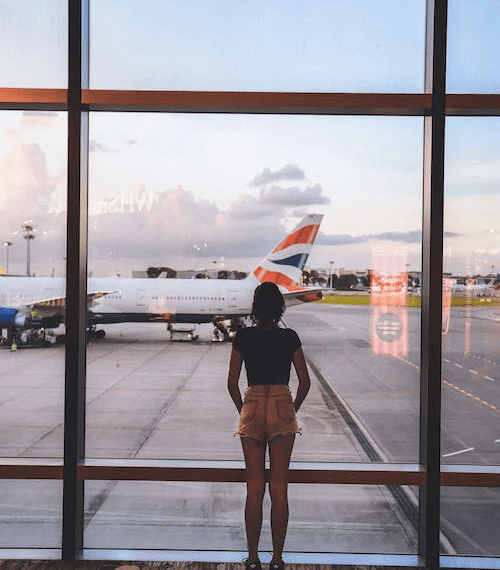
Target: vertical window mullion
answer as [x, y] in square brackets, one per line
[76, 281]
[432, 273]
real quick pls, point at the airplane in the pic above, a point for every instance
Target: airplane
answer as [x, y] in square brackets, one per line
[31, 307]
[472, 288]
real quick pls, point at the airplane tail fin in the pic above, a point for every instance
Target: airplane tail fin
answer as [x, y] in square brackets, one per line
[285, 263]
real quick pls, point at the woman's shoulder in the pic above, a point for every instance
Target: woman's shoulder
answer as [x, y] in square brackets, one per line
[292, 336]
[290, 332]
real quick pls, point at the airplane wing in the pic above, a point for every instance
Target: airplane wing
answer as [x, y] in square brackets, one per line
[303, 295]
[57, 305]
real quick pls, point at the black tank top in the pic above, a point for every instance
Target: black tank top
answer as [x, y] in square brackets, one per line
[267, 353]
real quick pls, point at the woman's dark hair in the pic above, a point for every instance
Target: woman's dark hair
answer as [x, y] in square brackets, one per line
[268, 304]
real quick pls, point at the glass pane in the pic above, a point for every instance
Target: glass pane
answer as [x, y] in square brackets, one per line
[473, 45]
[209, 516]
[277, 45]
[471, 404]
[469, 520]
[472, 261]
[30, 514]
[32, 286]
[208, 196]
[35, 37]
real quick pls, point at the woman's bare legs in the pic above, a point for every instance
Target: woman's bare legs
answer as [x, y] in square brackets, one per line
[280, 450]
[255, 454]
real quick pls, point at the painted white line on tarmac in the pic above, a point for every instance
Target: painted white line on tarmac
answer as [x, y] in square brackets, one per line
[473, 371]
[458, 365]
[490, 379]
[458, 452]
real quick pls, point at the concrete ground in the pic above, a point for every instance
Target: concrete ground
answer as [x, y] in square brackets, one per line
[150, 398]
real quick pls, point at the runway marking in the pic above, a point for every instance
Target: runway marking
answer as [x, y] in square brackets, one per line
[459, 452]
[446, 360]
[458, 365]
[490, 379]
[471, 396]
[473, 371]
[458, 389]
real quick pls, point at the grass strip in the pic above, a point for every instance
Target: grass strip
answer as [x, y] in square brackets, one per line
[412, 301]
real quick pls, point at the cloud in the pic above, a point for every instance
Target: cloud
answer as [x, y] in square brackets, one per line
[293, 196]
[181, 230]
[26, 185]
[27, 191]
[414, 236]
[139, 228]
[290, 172]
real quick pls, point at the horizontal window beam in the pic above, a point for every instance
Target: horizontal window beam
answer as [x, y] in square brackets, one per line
[234, 472]
[250, 102]
[33, 99]
[473, 105]
[258, 102]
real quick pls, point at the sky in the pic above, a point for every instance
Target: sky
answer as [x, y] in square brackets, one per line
[214, 190]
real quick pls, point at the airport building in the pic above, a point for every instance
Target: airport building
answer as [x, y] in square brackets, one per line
[137, 134]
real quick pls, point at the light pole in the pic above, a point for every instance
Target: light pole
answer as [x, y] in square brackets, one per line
[6, 243]
[331, 274]
[29, 232]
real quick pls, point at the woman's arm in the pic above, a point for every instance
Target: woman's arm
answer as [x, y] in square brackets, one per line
[233, 377]
[299, 363]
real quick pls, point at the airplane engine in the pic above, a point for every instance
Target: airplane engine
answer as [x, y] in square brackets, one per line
[17, 327]
[22, 320]
[10, 317]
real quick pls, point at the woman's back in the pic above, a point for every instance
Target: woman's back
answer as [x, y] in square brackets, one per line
[267, 353]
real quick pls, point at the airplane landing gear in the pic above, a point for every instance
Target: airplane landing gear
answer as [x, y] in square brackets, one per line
[94, 333]
[188, 332]
[223, 333]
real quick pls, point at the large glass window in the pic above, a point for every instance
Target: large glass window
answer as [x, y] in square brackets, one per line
[210, 196]
[34, 43]
[472, 261]
[31, 513]
[32, 288]
[183, 204]
[148, 515]
[471, 366]
[201, 197]
[473, 43]
[323, 45]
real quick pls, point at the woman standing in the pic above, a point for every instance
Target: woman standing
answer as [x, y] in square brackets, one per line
[267, 416]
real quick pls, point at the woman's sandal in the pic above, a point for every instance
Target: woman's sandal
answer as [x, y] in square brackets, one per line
[252, 565]
[277, 565]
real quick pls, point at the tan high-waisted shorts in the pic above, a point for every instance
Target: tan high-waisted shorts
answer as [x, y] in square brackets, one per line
[267, 412]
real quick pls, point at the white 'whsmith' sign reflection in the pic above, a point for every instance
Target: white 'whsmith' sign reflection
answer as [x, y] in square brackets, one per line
[137, 201]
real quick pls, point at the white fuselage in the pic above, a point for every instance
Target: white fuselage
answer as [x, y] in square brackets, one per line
[141, 300]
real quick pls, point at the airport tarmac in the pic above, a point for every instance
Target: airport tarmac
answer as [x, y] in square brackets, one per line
[152, 398]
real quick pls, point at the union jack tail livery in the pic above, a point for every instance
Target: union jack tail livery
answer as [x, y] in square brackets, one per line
[285, 264]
